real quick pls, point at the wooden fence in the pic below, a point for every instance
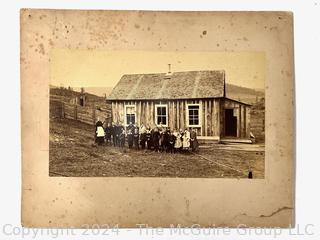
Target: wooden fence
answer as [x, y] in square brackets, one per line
[60, 108]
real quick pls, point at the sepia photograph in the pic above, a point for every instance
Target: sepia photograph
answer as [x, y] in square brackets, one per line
[128, 118]
[157, 114]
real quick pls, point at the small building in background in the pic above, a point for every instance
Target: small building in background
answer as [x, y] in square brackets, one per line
[80, 98]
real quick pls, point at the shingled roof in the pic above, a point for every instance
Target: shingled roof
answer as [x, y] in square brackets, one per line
[178, 85]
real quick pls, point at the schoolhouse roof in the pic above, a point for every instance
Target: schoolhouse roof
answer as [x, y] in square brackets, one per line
[177, 85]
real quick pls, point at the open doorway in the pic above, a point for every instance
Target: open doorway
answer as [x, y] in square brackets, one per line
[230, 123]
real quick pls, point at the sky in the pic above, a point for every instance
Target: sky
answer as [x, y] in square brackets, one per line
[98, 68]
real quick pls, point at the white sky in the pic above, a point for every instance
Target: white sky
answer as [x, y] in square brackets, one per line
[96, 68]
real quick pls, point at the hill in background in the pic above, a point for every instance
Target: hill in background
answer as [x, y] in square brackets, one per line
[98, 91]
[69, 95]
[243, 94]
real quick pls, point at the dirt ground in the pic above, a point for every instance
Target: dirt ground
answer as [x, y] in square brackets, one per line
[73, 154]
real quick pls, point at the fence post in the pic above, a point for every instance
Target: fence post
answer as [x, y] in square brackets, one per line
[75, 112]
[94, 115]
[62, 110]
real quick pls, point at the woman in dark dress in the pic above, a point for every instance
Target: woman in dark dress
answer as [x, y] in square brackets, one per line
[193, 140]
[172, 140]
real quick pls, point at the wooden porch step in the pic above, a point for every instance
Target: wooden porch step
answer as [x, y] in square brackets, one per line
[236, 140]
[216, 139]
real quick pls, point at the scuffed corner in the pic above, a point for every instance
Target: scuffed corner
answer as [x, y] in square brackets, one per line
[25, 12]
[285, 15]
[290, 14]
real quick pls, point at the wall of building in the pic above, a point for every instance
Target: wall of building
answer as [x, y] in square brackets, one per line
[242, 112]
[258, 120]
[177, 118]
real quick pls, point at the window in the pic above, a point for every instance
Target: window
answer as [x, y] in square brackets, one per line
[130, 114]
[193, 115]
[161, 114]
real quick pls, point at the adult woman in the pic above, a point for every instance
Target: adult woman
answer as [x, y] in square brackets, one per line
[99, 133]
[193, 140]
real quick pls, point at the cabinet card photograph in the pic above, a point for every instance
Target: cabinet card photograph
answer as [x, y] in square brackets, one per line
[130, 119]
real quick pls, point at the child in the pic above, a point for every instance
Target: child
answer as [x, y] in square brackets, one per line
[99, 132]
[143, 137]
[119, 132]
[130, 136]
[136, 138]
[122, 138]
[193, 140]
[172, 140]
[108, 133]
[156, 139]
[178, 142]
[148, 138]
[186, 140]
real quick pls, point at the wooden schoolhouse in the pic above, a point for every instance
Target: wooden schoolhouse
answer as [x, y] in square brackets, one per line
[179, 100]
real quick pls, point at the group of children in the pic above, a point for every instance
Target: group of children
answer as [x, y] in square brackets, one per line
[158, 138]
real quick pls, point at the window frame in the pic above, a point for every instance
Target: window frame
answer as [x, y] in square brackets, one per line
[200, 114]
[156, 114]
[125, 113]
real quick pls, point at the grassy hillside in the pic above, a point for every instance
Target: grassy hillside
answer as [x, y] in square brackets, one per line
[69, 94]
[98, 91]
[244, 94]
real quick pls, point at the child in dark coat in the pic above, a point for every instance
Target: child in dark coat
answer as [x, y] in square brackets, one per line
[114, 134]
[136, 138]
[149, 138]
[108, 133]
[120, 129]
[172, 140]
[155, 139]
[166, 140]
[193, 140]
[122, 138]
[130, 136]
